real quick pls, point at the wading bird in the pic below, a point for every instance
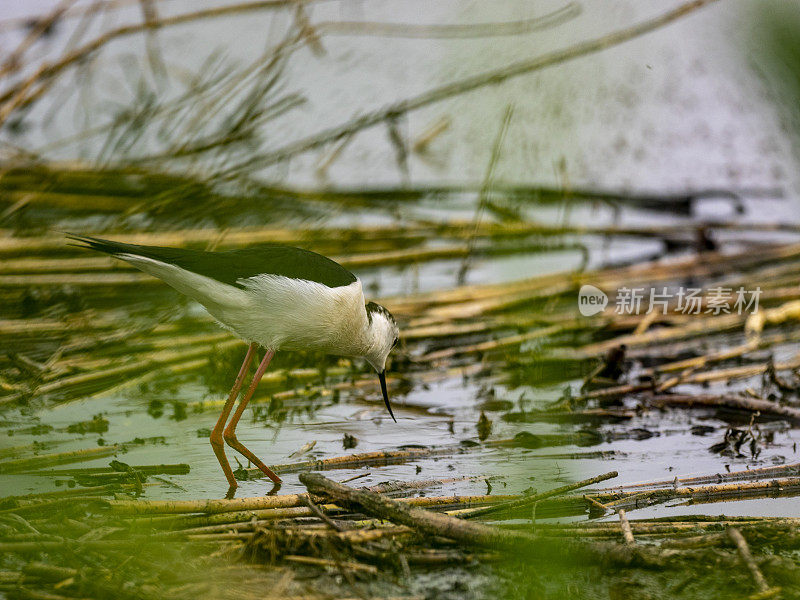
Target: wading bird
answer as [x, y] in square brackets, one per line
[275, 297]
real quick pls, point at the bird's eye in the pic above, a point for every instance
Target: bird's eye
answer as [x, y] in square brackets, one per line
[394, 343]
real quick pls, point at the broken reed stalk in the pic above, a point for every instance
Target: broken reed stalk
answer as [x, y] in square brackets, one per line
[480, 300]
[39, 251]
[501, 343]
[320, 513]
[181, 521]
[737, 403]
[19, 274]
[675, 529]
[244, 508]
[391, 487]
[71, 545]
[602, 508]
[673, 519]
[696, 378]
[625, 526]
[777, 540]
[747, 474]
[482, 535]
[704, 326]
[332, 564]
[154, 361]
[67, 503]
[21, 464]
[244, 519]
[143, 507]
[530, 500]
[95, 490]
[699, 362]
[174, 469]
[747, 558]
[425, 521]
[491, 344]
[378, 457]
[47, 571]
[625, 498]
[13, 451]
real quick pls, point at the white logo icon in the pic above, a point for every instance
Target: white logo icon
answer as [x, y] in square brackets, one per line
[591, 300]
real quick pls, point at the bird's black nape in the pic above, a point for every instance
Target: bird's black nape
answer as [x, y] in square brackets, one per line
[382, 377]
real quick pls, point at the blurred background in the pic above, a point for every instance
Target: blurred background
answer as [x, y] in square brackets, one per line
[690, 105]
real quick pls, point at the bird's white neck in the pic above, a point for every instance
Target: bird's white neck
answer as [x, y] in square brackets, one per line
[378, 336]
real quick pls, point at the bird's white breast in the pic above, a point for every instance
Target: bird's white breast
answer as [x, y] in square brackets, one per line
[305, 315]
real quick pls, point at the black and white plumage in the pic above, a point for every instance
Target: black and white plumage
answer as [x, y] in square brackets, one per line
[277, 297]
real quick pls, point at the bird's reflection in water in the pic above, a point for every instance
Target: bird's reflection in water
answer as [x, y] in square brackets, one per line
[272, 492]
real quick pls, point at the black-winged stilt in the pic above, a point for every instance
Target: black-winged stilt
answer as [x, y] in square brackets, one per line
[274, 297]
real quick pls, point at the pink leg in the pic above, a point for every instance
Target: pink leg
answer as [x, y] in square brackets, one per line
[230, 430]
[216, 433]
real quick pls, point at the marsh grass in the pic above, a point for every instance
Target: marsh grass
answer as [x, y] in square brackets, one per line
[494, 373]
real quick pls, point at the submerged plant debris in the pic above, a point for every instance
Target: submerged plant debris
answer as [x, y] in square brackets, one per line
[643, 450]
[503, 392]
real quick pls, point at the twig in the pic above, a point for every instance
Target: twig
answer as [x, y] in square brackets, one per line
[738, 403]
[788, 485]
[390, 487]
[747, 558]
[747, 474]
[331, 564]
[368, 458]
[425, 521]
[627, 534]
[529, 500]
[601, 507]
[354, 477]
[430, 133]
[318, 511]
[237, 509]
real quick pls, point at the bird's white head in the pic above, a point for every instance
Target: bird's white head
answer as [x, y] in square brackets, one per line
[382, 336]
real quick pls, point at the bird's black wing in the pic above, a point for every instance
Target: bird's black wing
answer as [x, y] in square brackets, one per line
[232, 265]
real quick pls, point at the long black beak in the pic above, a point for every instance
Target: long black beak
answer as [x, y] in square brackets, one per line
[382, 377]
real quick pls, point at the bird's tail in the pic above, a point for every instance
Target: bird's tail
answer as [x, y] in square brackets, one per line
[165, 264]
[107, 246]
